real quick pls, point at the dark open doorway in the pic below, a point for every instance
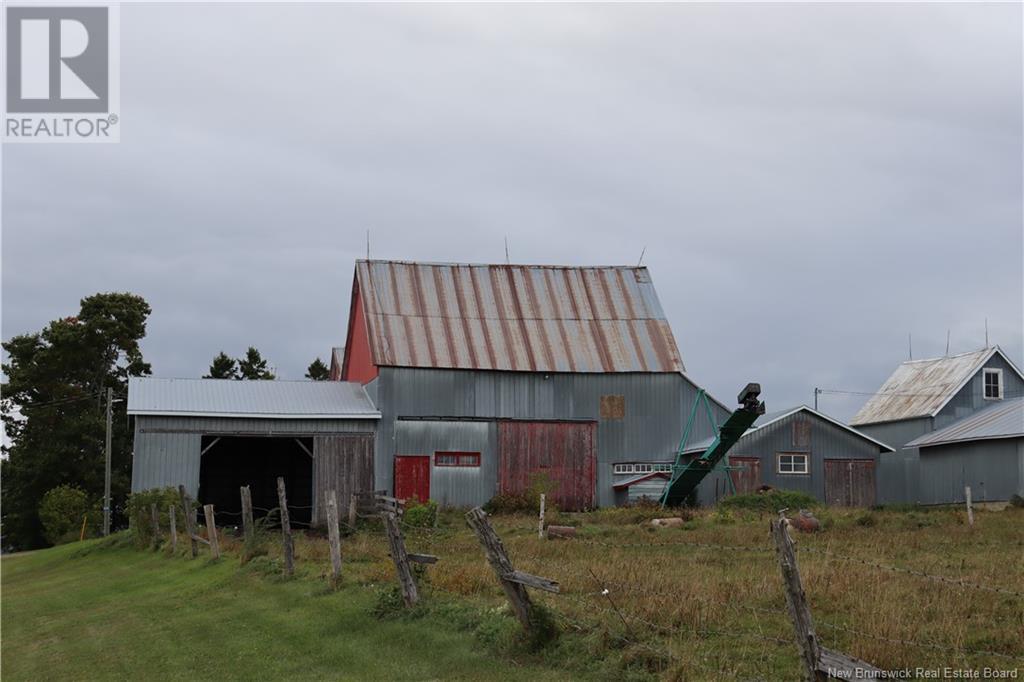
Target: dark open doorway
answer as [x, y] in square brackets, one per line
[229, 462]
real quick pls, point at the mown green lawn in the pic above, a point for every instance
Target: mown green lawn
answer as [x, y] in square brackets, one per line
[69, 613]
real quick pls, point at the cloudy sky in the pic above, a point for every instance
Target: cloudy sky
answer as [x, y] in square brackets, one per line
[812, 183]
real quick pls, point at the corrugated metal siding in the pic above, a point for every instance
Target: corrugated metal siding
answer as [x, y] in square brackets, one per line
[166, 450]
[656, 407]
[827, 441]
[898, 473]
[999, 419]
[993, 469]
[971, 398]
[344, 464]
[453, 486]
[160, 460]
[515, 318]
[563, 453]
[288, 399]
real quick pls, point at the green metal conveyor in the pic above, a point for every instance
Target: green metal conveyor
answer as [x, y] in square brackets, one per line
[687, 476]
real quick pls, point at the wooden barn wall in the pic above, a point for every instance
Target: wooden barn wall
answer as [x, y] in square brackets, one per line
[654, 410]
[563, 453]
[343, 463]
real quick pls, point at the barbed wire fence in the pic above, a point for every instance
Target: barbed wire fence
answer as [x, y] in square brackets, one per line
[606, 602]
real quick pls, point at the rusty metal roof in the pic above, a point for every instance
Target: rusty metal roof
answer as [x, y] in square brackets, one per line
[920, 388]
[530, 318]
[1004, 419]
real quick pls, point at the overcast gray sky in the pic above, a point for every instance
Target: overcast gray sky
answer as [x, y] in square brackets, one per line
[811, 182]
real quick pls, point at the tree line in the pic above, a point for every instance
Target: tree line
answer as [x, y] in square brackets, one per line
[54, 413]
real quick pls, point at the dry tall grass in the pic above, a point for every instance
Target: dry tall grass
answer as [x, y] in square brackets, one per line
[708, 596]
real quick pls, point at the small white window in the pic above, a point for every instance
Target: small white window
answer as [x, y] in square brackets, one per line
[993, 379]
[643, 468]
[623, 468]
[663, 467]
[792, 463]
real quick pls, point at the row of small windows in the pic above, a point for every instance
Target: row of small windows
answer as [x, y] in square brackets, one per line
[643, 467]
[786, 463]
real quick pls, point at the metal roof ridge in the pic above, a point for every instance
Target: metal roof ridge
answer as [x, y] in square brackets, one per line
[552, 266]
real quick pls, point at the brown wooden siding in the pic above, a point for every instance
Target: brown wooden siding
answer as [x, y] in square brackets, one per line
[341, 463]
[563, 452]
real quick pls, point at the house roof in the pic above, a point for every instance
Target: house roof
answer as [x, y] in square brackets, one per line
[772, 417]
[921, 388]
[1004, 419]
[262, 399]
[639, 478]
[532, 318]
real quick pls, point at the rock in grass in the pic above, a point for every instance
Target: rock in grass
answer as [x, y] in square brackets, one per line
[673, 522]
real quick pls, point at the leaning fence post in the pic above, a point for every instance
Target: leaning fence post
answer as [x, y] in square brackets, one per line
[796, 600]
[248, 530]
[286, 529]
[970, 509]
[190, 521]
[154, 516]
[334, 536]
[512, 581]
[406, 581]
[211, 531]
[174, 528]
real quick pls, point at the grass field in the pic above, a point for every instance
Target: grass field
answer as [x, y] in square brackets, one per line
[701, 602]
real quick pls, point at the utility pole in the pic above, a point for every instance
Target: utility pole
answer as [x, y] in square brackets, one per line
[106, 477]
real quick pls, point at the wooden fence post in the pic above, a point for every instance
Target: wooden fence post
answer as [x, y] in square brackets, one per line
[211, 531]
[172, 518]
[970, 509]
[403, 569]
[818, 662]
[190, 521]
[796, 600]
[512, 581]
[353, 510]
[248, 529]
[334, 536]
[286, 529]
[154, 516]
[540, 524]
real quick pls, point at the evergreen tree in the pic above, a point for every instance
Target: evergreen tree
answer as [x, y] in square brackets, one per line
[318, 371]
[253, 366]
[54, 413]
[223, 367]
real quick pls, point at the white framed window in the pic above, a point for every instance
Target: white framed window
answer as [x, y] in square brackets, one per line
[992, 380]
[663, 467]
[623, 468]
[792, 463]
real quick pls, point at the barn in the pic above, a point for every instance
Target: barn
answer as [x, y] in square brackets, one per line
[923, 396]
[793, 449]
[491, 379]
[215, 435]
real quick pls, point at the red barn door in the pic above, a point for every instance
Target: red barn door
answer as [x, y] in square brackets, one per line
[412, 477]
[563, 453]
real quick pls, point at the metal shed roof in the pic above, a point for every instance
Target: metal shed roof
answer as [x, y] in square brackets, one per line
[265, 399]
[532, 318]
[921, 388]
[1004, 419]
